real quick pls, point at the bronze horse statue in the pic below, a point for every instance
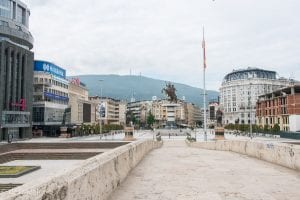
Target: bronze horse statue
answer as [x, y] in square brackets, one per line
[170, 91]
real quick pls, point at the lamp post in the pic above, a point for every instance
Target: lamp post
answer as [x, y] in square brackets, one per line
[250, 107]
[100, 120]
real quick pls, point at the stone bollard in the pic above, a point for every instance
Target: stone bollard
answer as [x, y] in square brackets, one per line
[219, 133]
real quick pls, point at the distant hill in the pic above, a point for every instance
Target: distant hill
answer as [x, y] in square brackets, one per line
[143, 88]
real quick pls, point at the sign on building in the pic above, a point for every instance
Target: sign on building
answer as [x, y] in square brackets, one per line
[15, 119]
[50, 68]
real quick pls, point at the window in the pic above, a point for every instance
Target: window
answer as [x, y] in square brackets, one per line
[5, 8]
[21, 15]
[3, 23]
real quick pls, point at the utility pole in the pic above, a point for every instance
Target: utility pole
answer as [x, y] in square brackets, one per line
[250, 104]
[204, 87]
[100, 119]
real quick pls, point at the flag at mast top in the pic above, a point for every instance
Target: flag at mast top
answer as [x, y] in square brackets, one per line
[204, 53]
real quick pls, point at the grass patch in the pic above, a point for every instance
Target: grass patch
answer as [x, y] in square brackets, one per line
[16, 171]
[6, 170]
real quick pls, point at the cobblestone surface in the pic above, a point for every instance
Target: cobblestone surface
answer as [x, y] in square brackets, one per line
[176, 171]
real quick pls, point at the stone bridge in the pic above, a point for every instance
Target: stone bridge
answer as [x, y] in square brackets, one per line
[178, 170]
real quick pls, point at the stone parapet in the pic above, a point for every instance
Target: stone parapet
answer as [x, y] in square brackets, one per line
[95, 178]
[287, 155]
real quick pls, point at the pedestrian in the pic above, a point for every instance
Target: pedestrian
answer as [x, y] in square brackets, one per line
[169, 135]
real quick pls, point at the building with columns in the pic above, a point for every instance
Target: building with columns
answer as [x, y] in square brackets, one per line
[16, 70]
[240, 90]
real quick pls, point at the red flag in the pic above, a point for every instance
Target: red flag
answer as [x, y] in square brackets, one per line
[204, 53]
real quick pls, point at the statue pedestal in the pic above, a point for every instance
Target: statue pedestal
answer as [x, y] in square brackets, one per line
[219, 133]
[129, 134]
[64, 133]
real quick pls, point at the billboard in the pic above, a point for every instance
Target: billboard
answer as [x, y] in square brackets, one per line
[86, 112]
[102, 109]
[50, 68]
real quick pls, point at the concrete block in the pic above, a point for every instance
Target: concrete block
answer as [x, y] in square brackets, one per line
[95, 178]
[286, 155]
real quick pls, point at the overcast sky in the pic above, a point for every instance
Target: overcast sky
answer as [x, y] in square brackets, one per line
[162, 38]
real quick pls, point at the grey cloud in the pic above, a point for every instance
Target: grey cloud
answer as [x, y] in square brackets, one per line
[162, 38]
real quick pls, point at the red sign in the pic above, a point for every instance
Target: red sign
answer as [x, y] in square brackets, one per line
[75, 81]
[21, 104]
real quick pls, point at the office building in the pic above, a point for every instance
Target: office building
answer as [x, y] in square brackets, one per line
[16, 70]
[50, 99]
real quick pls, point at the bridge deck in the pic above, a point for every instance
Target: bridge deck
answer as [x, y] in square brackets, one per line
[176, 171]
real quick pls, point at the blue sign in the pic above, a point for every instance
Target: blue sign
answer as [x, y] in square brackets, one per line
[50, 68]
[57, 97]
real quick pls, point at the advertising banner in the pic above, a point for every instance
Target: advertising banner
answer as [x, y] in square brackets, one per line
[102, 109]
[50, 68]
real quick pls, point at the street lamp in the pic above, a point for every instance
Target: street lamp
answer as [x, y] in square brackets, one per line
[100, 120]
[250, 104]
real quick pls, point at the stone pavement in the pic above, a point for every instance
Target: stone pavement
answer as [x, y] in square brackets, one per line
[176, 171]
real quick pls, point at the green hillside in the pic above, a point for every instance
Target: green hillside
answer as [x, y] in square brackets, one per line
[143, 88]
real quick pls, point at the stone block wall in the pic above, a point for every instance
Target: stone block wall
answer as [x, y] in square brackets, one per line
[95, 178]
[283, 154]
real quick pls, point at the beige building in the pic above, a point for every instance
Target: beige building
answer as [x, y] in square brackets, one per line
[140, 110]
[112, 111]
[193, 114]
[82, 110]
[166, 113]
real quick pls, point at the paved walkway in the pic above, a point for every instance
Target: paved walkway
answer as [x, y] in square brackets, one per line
[176, 171]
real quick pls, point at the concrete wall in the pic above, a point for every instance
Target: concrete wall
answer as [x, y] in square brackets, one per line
[286, 155]
[294, 122]
[95, 178]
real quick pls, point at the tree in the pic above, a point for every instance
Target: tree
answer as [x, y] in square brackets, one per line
[276, 128]
[150, 119]
[266, 128]
[130, 118]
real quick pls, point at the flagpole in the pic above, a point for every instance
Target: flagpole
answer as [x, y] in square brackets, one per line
[204, 87]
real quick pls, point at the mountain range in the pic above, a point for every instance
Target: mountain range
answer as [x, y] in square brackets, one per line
[140, 88]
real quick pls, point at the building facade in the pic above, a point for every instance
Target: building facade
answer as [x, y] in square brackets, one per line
[168, 114]
[109, 110]
[50, 98]
[280, 107]
[16, 70]
[140, 110]
[213, 107]
[240, 90]
[82, 110]
[193, 115]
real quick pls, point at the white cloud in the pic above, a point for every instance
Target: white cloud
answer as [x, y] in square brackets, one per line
[162, 38]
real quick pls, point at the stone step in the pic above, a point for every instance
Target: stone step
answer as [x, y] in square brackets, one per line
[46, 156]
[6, 187]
